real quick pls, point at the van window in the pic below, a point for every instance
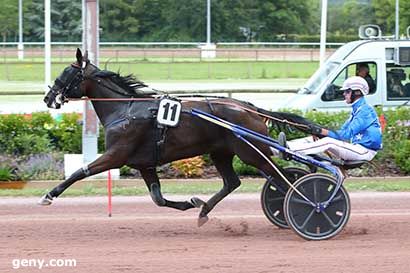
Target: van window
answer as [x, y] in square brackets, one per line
[367, 70]
[398, 82]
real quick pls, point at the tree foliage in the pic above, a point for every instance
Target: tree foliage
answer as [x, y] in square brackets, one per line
[347, 17]
[385, 15]
[65, 20]
[8, 18]
[176, 20]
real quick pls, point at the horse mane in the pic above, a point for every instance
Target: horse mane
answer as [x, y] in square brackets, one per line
[129, 83]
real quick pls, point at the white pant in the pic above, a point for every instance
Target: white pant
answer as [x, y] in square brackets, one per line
[341, 149]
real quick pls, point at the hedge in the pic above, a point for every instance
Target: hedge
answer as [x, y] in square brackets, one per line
[39, 135]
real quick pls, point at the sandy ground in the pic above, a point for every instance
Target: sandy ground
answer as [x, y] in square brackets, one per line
[141, 237]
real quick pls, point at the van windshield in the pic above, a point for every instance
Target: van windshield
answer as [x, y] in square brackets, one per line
[318, 78]
[313, 84]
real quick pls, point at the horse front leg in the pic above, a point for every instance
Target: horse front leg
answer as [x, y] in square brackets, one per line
[152, 181]
[105, 162]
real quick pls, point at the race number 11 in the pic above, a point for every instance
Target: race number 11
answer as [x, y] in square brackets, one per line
[169, 112]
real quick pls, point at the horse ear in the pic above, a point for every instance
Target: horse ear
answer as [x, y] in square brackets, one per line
[79, 56]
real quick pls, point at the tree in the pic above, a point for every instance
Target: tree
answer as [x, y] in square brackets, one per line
[284, 17]
[8, 18]
[404, 15]
[66, 22]
[385, 15]
[184, 21]
[233, 21]
[176, 20]
[151, 19]
[347, 18]
[119, 20]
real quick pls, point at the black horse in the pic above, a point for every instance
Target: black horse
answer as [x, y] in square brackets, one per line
[134, 138]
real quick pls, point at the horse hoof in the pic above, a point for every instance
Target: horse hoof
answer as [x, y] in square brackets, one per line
[46, 200]
[202, 220]
[196, 202]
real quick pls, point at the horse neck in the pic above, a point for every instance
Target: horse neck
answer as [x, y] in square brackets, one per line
[110, 110]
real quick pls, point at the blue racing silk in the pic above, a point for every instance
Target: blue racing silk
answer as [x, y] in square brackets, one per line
[363, 127]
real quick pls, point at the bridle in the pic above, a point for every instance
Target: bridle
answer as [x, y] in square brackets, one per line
[73, 82]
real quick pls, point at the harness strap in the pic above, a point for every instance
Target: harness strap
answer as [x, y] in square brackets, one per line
[115, 122]
[211, 107]
[161, 134]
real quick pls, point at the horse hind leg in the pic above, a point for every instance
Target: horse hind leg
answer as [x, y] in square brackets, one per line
[152, 181]
[231, 181]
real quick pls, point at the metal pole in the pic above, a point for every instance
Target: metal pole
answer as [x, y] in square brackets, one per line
[208, 22]
[47, 44]
[20, 46]
[397, 20]
[91, 44]
[323, 28]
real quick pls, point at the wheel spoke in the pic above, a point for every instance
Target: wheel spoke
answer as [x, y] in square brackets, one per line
[315, 192]
[329, 220]
[338, 198]
[298, 200]
[307, 219]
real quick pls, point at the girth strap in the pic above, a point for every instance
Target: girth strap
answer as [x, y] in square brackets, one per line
[160, 137]
[161, 133]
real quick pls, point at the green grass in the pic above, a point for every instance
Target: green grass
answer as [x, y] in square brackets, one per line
[34, 72]
[183, 187]
[391, 185]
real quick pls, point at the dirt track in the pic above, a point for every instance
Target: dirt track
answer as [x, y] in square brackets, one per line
[141, 237]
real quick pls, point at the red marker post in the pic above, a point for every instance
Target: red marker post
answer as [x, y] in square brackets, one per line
[109, 190]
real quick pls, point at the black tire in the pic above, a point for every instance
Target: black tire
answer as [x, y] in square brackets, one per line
[310, 223]
[273, 195]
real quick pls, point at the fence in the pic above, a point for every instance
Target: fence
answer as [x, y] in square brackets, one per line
[164, 61]
[175, 51]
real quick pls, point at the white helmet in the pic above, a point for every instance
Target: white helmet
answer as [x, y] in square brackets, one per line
[356, 83]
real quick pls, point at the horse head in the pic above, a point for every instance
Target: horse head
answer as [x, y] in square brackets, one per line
[74, 83]
[68, 84]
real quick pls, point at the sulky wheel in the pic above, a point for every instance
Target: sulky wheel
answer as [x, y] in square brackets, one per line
[273, 195]
[312, 222]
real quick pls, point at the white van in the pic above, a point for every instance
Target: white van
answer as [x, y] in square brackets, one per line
[388, 62]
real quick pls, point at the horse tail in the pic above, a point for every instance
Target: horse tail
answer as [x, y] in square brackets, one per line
[284, 120]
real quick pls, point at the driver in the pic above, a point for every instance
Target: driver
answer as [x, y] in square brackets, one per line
[360, 136]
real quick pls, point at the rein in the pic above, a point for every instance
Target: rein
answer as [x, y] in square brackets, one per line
[187, 100]
[110, 99]
[130, 98]
[265, 115]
